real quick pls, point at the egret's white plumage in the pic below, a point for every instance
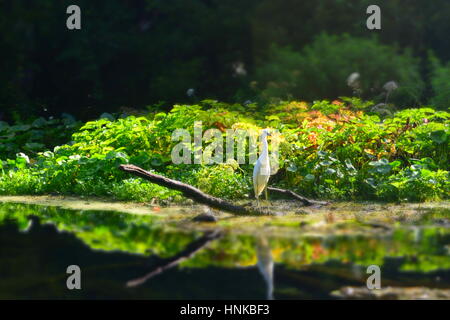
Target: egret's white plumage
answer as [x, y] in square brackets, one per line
[261, 171]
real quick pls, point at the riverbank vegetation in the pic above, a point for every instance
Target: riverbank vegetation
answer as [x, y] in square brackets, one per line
[346, 149]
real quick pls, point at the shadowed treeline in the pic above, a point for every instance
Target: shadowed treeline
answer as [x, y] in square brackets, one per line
[131, 54]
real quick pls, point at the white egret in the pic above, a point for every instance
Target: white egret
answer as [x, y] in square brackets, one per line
[261, 171]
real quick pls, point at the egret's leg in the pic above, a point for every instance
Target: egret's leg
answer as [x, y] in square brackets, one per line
[266, 193]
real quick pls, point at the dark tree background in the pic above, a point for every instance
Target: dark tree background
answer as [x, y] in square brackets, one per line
[136, 53]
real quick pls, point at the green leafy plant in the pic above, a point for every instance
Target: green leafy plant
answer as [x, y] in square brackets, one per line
[335, 150]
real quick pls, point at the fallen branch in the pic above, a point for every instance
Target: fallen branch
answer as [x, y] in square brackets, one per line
[187, 253]
[195, 194]
[192, 193]
[296, 196]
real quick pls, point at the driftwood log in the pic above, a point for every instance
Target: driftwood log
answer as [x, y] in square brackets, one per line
[296, 196]
[198, 196]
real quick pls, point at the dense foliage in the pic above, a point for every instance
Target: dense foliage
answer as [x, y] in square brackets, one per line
[321, 69]
[344, 149]
[41, 134]
[440, 82]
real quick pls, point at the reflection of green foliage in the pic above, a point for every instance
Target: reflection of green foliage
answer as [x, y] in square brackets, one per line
[105, 230]
[424, 253]
[421, 248]
[229, 251]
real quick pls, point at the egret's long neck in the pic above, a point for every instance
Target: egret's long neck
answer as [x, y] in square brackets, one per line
[265, 146]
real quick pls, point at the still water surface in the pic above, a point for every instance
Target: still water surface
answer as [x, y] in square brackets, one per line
[126, 256]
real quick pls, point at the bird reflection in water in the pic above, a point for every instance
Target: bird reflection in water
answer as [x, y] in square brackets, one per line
[265, 264]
